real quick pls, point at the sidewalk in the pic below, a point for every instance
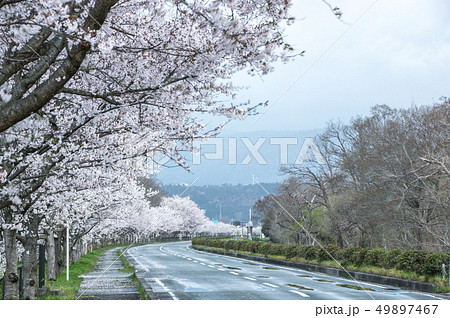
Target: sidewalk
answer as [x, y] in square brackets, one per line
[107, 281]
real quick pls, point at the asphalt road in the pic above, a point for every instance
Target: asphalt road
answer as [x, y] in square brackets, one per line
[176, 271]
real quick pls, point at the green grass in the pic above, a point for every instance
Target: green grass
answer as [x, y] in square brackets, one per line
[68, 289]
[299, 287]
[354, 287]
[129, 268]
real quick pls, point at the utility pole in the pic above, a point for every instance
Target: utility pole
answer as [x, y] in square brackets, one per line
[250, 225]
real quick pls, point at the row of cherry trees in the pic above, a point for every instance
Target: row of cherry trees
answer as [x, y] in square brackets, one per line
[92, 90]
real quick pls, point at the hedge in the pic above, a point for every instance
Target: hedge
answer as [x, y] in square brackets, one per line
[419, 262]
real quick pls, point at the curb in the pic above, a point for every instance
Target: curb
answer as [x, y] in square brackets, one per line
[141, 280]
[373, 278]
[147, 283]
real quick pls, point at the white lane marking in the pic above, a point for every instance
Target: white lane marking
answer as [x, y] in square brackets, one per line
[221, 269]
[195, 261]
[160, 283]
[249, 278]
[202, 264]
[271, 285]
[161, 249]
[299, 293]
[140, 264]
[211, 266]
[234, 273]
[189, 259]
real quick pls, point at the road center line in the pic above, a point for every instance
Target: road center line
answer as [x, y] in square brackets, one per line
[299, 293]
[271, 285]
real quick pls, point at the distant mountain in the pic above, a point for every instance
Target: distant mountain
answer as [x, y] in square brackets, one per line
[227, 202]
[236, 158]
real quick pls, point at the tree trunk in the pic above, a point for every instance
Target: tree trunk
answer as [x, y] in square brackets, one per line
[30, 259]
[11, 277]
[58, 252]
[51, 256]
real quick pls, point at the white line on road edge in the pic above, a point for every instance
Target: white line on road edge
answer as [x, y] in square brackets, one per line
[249, 278]
[299, 293]
[137, 261]
[160, 283]
[211, 266]
[234, 273]
[271, 285]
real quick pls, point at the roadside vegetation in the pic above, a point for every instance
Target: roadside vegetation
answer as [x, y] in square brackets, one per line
[68, 289]
[381, 180]
[410, 265]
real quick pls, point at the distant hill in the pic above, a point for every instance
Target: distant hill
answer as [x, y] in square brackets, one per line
[233, 200]
[236, 164]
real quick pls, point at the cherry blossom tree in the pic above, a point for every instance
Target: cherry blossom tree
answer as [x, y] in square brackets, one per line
[90, 87]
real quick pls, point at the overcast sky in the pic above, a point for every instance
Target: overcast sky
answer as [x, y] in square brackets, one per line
[397, 54]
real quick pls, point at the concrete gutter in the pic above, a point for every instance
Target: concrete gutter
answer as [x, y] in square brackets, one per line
[373, 278]
[149, 286]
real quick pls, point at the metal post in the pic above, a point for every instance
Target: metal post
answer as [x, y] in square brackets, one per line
[67, 253]
[20, 283]
[41, 265]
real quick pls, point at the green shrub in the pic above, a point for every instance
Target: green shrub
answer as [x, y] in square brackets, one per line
[419, 262]
[350, 255]
[291, 251]
[328, 252]
[412, 261]
[276, 249]
[391, 258]
[229, 244]
[433, 263]
[375, 257]
[308, 252]
[264, 248]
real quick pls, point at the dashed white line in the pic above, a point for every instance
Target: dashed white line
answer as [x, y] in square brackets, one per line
[202, 264]
[221, 269]
[249, 278]
[299, 293]
[234, 273]
[270, 285]
[195, 261]
[189, 259]
[211, 266]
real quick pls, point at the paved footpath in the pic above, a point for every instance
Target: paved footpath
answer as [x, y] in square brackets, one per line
[107, 281]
